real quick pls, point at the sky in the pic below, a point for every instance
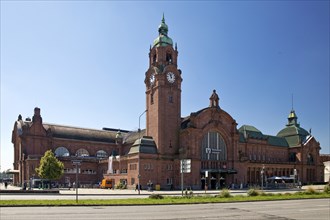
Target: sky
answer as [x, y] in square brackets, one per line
[83, 63]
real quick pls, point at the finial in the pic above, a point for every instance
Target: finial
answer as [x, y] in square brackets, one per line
[176, 46]
[292, 102]
[163, 19]
[214, 99]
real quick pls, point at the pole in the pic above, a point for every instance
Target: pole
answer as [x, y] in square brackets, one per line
[182, 177]
[76, 163]
[76, 182]
[139, 151]
[294, 177]
[262, 177]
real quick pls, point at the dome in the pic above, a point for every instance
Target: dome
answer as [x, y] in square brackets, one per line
[293, 127]
[291, 131]
[163, 39]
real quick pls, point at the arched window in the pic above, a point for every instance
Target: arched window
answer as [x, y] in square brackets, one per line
[82, 153]
[62, 152]
[169, 57]
[213, 147]
[101, 154]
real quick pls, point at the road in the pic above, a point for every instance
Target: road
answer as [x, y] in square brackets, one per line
[310, 209]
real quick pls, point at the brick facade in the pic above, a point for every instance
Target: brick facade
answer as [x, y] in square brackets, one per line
[208, 137]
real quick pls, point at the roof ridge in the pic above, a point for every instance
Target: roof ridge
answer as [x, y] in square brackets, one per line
[75, 127]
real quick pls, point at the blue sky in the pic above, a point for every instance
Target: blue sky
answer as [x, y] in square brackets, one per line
[83, 62]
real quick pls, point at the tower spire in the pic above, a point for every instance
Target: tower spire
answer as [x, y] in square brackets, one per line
[163, 19]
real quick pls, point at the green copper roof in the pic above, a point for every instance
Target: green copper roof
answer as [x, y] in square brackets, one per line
[145, 145]
[293, 133]
[162, 39]
[293, 127]
[248, 128]
[277, 141]
[292, 130]
[249, 132]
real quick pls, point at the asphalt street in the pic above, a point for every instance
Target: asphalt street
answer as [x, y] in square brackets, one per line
[310, 209]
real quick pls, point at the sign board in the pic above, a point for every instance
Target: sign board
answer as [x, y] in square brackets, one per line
[76, 162]
[185, 166]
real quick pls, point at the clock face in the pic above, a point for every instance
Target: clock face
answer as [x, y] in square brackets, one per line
[170, 77]
[152, 79]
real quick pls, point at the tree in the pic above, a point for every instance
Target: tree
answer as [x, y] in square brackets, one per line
[50, 167]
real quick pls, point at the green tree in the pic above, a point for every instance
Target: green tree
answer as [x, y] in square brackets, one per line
[50, 167]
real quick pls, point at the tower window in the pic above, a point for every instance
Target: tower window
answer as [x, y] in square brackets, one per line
[170, 99]
[152, 98]
[154, 58]
[169, 58]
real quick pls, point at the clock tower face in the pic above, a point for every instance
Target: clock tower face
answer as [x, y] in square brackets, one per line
[152, 79]
[170, 77]
[163, 94]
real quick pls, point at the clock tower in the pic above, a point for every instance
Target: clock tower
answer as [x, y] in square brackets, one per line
[163, 93]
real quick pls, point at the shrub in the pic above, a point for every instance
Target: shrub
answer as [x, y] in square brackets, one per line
[311, 190]
[326, 189]
[266, 194]
[188, 193]
[224, 193]
[253, 192]
[156, 196]
[120, 186]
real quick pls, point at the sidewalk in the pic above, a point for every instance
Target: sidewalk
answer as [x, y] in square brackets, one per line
[98, 191]
[132, 192]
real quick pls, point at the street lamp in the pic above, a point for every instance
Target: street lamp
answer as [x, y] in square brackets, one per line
[294, 177]
[77, 163]
[139, 151]
[262, 176]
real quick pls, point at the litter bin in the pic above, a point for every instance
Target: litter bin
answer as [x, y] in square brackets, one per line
[157, 187]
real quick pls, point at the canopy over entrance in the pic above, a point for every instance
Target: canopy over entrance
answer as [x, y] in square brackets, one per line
[12, 172]
[281, 178]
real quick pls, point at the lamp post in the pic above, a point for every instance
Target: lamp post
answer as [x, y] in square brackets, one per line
[77, 163]
[262, 176]
[139, 151]
[294, 177]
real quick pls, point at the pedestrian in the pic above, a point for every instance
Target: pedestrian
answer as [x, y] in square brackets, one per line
[6, 184]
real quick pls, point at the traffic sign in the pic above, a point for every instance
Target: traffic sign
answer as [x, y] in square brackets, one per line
[185, 166]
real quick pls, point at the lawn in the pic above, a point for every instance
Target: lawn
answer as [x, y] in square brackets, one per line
[157, 199]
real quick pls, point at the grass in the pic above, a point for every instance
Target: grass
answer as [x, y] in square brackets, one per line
[166, 200]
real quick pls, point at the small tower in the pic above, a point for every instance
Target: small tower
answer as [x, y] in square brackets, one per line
[293, 119]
